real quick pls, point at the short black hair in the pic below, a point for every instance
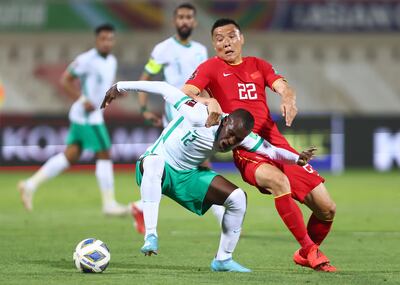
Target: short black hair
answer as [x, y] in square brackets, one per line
[223, 22]
[185, 5]
[104, 27]
[245, 116]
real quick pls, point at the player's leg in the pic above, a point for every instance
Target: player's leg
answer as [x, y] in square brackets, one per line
[52, 167]
[324, 210]
[151, 168]
[105, 179]
[224, 193]
[262, 173]
[275, 181]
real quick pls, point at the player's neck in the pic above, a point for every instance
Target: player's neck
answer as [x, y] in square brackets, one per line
[103, 55]
[236, 61]
[184, 42]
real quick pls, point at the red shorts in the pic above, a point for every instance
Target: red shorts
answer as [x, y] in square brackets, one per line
[302, 179]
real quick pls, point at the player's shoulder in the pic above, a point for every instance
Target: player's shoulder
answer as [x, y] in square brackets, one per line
[198, 45]
[213, 62]
[256, 60]
[87, 55]
[165, 44]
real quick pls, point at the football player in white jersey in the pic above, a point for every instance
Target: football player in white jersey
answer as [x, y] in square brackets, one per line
[95, 69]
[176, 57]
[171, 166]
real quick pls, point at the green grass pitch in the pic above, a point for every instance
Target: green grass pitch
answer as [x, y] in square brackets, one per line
[36, 248]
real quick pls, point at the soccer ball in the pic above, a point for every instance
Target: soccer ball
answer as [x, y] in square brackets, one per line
[91, 256]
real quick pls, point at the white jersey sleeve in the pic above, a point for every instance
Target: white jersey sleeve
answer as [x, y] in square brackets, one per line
[255, 143]
[196, 113]
[80, 66]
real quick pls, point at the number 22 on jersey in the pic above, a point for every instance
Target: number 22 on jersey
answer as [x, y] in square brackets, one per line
[247, 91]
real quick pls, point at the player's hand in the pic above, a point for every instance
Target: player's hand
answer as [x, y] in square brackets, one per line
[112, 94]
[288, 109]
[306, 155]
[152, 118]
[214, 113]
[88, 107]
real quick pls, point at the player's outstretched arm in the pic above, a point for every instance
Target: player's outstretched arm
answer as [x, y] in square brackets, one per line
[255, 143]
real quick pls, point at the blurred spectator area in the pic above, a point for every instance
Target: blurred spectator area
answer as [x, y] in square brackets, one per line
[347, 73]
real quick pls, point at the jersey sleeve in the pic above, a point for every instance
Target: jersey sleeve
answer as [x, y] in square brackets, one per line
[156, 60]
[255, 143]
[200, 77]
[269, 73]
[194, 112]
[80, 66]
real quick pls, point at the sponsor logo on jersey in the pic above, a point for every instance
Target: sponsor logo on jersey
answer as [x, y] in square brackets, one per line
[190, 103]
[226, 74]
[194, 74]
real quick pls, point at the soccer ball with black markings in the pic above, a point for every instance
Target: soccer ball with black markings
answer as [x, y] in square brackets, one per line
[91, 256]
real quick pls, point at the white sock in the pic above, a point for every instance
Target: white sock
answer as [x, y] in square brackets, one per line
[218, 212]
[150, 190]
[235, 206]
[54, 166]
[105, 179]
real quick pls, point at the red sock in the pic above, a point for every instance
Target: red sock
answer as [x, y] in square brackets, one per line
[317, 229]
[293, 218]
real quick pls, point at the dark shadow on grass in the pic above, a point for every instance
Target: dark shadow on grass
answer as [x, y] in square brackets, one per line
[121, 267]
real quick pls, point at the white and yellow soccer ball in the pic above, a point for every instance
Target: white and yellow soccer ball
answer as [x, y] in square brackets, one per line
[91, 256]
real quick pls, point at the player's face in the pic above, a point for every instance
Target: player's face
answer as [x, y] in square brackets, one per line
[105, 41]
[232, 133]
[227, 41]
[185, 22]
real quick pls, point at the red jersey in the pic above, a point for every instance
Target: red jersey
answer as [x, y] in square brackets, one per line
[242, 86]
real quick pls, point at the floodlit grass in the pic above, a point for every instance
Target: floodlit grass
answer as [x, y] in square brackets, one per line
[37, 247]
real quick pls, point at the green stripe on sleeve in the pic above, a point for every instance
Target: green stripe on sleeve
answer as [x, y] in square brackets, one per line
[181, 101]
[258, 144]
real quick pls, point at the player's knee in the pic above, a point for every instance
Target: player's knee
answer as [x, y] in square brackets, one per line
[153, 166]
[237, 201]
[331, 212]
[327, 213]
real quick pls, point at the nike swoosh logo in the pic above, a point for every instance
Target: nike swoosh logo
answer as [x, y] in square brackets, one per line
[226, 74]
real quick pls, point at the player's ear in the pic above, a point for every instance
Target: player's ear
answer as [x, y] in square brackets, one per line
[241, 38]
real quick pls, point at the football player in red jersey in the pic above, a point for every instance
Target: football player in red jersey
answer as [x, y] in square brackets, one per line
[239, 82]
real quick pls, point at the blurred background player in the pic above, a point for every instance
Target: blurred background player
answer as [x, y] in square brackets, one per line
[176, 57]
[240, 82]
[95, 70]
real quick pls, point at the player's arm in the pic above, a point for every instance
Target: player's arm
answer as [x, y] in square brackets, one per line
[68, 83]
[288, 100]
[170, 93]
[214, 109]
[151, 68]
[255, 143]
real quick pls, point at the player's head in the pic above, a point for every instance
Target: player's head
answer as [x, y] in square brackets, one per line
[227, 40]
[105, 38]
[233, 129]
[185, 20]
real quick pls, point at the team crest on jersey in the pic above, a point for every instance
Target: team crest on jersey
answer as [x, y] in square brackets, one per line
[193, 76]
[190, 103]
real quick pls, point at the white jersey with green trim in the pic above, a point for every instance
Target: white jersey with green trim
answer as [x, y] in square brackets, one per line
[185, 143]
[96, 74]
[177, 62]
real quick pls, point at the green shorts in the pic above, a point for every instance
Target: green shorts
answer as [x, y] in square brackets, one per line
[186, 187]
[90, 137]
